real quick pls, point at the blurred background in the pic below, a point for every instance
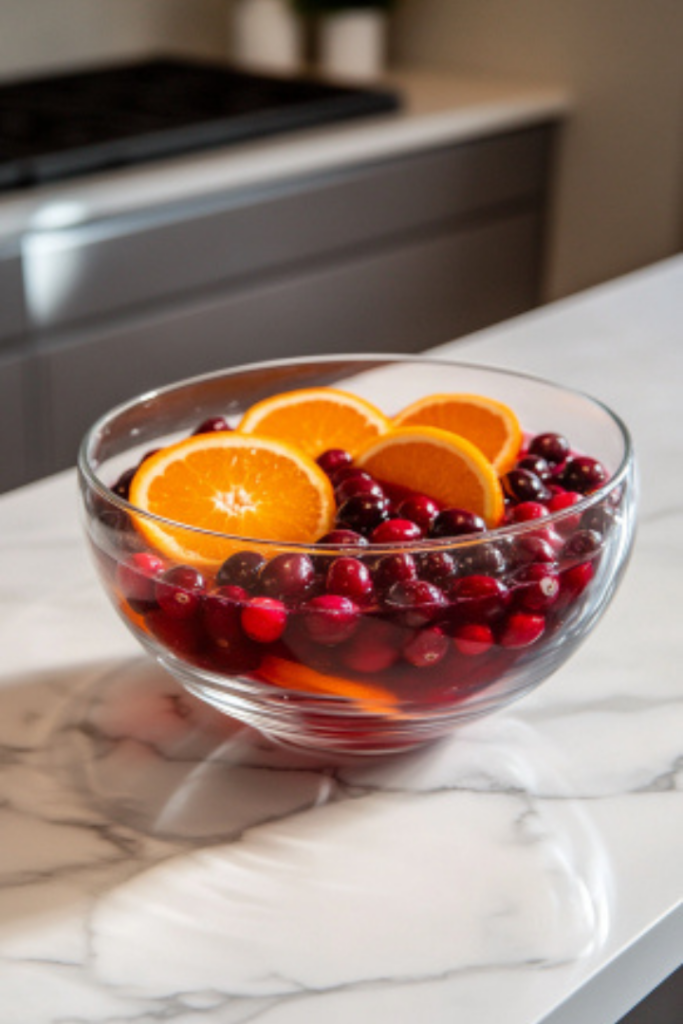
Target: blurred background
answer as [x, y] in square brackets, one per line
[525, 151]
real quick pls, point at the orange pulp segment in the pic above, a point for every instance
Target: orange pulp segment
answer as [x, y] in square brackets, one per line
[445, 466]
[316, 419]
[281, 672]
[227, 483]
[490, 425]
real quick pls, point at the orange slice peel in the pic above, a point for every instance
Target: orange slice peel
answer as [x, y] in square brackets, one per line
[489, 424]
[316, 419]
[375, 700]
[431, 461]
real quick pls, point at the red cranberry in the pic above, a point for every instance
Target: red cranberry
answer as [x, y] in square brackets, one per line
[241, 570]
[437, 567]
[394, 569]
[479, 598]
[536, 588]
[333, 460]
[481, 560]
[344, 538]
[348, 577]
[536, 465]
[416, 601]
[289, 577]
[554, 448]
[427, 647]
[522, 629]
[136, 577]
[222, 609]
[583, 474]
[575, 580]
[345, 473]
[600, 519]
[374, 648]
[331, 619]
[582, 546]
[363, 513]
[180, 592]
[532, 549]
[359, 483]
[212, 425]
[419, 509]
[183, 637]
[234, 656]
[473, 639]
[455, 522]
[396, 531]
[122, 486]
[264, 619]
[521, 485]
[526, 511]
[560, 503]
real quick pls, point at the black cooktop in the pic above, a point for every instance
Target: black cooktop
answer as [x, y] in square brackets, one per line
[73, 124]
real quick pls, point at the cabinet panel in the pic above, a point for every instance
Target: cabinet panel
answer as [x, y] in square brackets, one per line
[12, 314]
[85, 272]
[403, 300]
[17, 426]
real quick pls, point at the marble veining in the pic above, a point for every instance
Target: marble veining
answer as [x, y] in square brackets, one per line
[159, 861]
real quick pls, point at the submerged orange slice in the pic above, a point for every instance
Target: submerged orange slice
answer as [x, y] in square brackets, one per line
[316, 419]
[435, 462]
[374, 699]
[488, 424]
[228, 483]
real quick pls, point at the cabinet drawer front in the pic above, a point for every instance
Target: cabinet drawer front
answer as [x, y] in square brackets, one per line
[98, 269]
[12, 314]
[422, 294]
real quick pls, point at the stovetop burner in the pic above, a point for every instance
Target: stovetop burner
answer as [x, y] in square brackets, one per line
[68, 125]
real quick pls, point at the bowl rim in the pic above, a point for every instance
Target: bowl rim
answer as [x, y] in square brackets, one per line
[88, 473]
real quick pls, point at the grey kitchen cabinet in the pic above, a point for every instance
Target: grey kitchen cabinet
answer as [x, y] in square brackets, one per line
[17, 419]
[395, 255]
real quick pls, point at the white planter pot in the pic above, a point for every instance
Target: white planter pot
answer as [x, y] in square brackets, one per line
[266, 35]
[353, 44]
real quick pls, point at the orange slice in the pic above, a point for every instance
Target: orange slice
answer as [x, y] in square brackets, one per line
[447, 467]
[490, 425]
[228, 483]
[282, 672]
[316, 419]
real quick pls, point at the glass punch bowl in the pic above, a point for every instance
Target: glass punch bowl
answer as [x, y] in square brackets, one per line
[512, 605]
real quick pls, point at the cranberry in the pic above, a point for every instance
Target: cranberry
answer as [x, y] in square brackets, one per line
[333, 460]
[122, 486]
[233, 656]
[392, 569]
[540, 467]
[536, 587]
[136, 577]
[289, 577]
[532, 549]
[183, 637]
[438, 567]
[212, 425]
[600, 519]
[582, 546]
[416, 601]
[575, 580]
[345, 538]
[359, 483]
[221, 611]
[395, 531]
[455, 522]
[374, 648]
[560, 503]
[419, 509]
[554, 448]
[479, 598]
[522, 629]
[348, 577]
[481, 560]
[264, 619]
[345, 473]
[363, 513]
[426, 647]
[241, 570]
[331, 619]
[526, 511]
[583, 474]
[180, 592]
[521, 485]
[473, 639]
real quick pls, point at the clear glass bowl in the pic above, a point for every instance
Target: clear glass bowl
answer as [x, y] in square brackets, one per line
[396, 677]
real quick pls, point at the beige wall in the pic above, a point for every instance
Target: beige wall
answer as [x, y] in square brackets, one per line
[618, 202]
[42, 35]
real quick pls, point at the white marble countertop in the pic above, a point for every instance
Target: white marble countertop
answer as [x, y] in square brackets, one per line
[438, 110]
[158, 862]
